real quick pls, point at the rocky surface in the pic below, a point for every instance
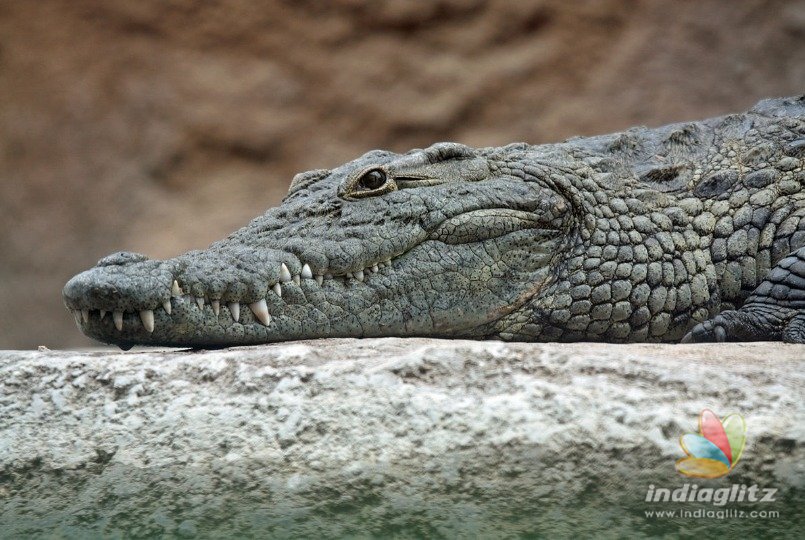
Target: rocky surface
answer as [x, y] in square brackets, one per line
[388, 437]
[160, 126]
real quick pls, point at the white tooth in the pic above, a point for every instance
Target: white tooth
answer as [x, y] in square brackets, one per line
[77, 316]
[387, 261]
[234, 309]
[260, 311]
[285, 274]
[216, 306]
[375, 268]
[166, 305]
[328, 276]
[200, 302]
[175, 289]
[85, 315]
[319, 279]
[348, 275]
[147, 316]
[306, 273]
[103, 313]
[117, 316]
[296, 279]
[359, 275]
[277, 289]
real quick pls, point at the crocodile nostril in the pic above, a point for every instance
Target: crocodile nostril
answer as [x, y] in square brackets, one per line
[122, 258]
[135, 287]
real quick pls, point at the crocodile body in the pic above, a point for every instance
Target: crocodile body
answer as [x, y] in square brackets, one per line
[690, 231]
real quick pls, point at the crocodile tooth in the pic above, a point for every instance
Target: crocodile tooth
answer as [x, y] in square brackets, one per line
[77, 316]
[296, 279]
[85, 315]
[285, 274]
[147, 316]
[387, 261]
[306, 273]
[216, 306]
[277, 288]
[200, 302]
[319, 279]
[175, 289]
[359, 275]
[166, 305]
[117, 316]
[375, 268]
[260, 311]
[103, 313]
[234, 309]
[348, 275]
[328, 276]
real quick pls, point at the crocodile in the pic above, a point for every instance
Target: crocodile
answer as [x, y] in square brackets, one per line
[691, 232]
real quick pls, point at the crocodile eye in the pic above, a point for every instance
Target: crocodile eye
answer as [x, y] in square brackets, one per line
[372, 180]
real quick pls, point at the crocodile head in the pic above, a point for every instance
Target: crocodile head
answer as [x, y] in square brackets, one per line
[437, 242]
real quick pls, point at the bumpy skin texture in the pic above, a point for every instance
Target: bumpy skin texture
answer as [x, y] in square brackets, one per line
[693, 230]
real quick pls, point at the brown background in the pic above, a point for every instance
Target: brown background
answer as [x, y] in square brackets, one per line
[159, 126]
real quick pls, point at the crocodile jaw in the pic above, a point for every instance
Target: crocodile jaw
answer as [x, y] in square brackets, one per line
[385, 298]
[443, 260]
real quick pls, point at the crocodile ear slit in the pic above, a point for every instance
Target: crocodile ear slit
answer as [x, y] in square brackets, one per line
[448, 150]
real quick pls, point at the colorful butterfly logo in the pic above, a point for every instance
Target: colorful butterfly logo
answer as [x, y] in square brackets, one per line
[716, 449]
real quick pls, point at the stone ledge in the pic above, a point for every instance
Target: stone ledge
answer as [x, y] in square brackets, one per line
[385, 437]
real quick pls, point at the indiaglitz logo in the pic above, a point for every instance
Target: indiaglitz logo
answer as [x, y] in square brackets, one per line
[716, 449]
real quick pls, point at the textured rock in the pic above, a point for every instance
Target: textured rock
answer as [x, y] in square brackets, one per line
[387, 437]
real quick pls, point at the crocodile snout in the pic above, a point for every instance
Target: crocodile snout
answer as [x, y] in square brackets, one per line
[121, 283]
[222, 294]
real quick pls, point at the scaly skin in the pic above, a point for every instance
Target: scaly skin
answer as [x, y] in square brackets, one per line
[647, 235]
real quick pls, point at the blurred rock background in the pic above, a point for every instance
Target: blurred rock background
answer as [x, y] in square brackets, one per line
[162, 125]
